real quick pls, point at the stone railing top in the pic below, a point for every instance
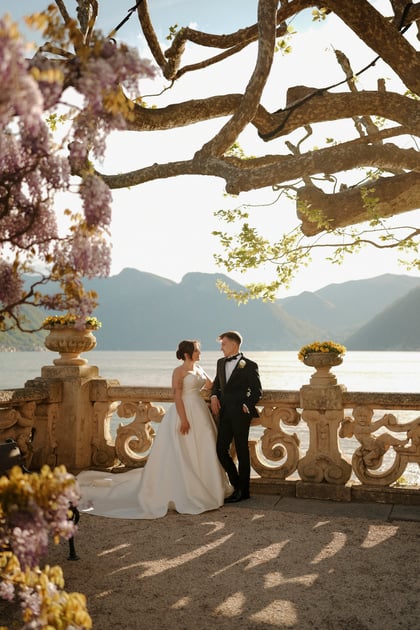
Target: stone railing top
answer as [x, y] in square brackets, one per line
[382, 400]
[11, 397]
[157, 394]
[165, 394]
[379, 400]
[111, 390]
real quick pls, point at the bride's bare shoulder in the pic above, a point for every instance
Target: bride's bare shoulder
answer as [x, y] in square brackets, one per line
[178, 375]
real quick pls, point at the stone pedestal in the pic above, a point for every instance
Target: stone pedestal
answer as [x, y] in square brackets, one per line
[64, 426]
[322, 362]
[323, 412]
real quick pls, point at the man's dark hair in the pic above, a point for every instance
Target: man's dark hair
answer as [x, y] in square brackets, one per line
[231, 334]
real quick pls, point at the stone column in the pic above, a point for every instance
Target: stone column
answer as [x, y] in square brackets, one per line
[323, 465]
[64, 424]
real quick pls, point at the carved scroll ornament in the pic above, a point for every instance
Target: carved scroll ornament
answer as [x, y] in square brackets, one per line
[276, 453]
[134, 440]
[369, 463]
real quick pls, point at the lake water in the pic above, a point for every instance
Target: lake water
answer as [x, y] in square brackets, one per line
[360, 371]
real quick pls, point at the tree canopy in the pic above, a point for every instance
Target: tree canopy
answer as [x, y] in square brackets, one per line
[339, 181]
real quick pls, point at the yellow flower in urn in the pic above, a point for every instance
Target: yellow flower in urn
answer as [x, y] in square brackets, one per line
[69, 320]
[321, 347]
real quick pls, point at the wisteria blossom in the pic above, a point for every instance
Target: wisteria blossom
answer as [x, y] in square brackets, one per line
[38, 160]
[96, 198]
[86, 251]
[11, 285]
[35, 506]
[20, 93]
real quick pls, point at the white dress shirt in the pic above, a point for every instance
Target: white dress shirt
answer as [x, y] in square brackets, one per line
[230, 366]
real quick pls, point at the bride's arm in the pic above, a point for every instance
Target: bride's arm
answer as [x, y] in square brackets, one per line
[177, 385]
[209, 383]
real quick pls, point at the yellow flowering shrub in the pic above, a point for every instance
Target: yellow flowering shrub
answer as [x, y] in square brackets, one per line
[55, 608]
[32, 507]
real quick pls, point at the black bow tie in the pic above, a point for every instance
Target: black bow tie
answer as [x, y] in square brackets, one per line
[232, 358]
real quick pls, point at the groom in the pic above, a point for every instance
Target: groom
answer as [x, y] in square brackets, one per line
[235, 392]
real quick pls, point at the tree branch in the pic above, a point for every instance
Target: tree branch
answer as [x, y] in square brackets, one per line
[392, 195]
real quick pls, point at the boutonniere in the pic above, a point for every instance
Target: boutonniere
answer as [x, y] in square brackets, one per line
[242, 363]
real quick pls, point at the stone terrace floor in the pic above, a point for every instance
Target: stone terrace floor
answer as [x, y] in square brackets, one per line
[262, 564]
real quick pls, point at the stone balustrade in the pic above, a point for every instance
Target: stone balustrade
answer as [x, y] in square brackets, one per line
[17, 417]
[320, 441]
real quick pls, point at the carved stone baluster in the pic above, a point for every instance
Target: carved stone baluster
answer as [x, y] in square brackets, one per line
[323, 411]
[368, 459]
[279, 449]
[103, 448]
[134, 440]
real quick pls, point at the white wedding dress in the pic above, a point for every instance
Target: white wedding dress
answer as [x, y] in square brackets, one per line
[182, 473]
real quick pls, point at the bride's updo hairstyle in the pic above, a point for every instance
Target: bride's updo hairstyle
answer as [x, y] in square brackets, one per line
[185, 347]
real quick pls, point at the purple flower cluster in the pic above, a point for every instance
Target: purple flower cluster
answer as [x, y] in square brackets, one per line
[36, 163]
[31, 600]
[33, 508]
[108, 68]
[30, 172]
[28, 535]
[88, 252]
[20, 94]
[11, 285]
[96, 198]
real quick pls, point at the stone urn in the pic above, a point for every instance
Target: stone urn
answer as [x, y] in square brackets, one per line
[70, 342]
[322, 362]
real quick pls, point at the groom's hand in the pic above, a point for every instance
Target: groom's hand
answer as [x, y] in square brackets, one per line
[215, 405]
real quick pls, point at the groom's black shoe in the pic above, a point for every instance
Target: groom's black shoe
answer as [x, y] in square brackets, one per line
[237, 496]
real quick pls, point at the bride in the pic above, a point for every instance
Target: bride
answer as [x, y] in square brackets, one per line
[182, 471]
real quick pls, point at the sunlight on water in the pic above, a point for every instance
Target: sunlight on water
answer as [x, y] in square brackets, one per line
[360, 371]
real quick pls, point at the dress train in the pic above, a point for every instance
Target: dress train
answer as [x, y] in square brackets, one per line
[182, 472]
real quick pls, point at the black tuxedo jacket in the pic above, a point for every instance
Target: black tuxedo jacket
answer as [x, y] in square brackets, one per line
[242, 388]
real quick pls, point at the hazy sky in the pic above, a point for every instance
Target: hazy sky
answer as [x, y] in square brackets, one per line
[165, 227]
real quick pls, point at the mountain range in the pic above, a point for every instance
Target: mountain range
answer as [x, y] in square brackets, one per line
[143, 311]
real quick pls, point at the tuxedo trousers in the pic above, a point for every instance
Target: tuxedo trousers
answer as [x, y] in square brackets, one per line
[234, 426]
